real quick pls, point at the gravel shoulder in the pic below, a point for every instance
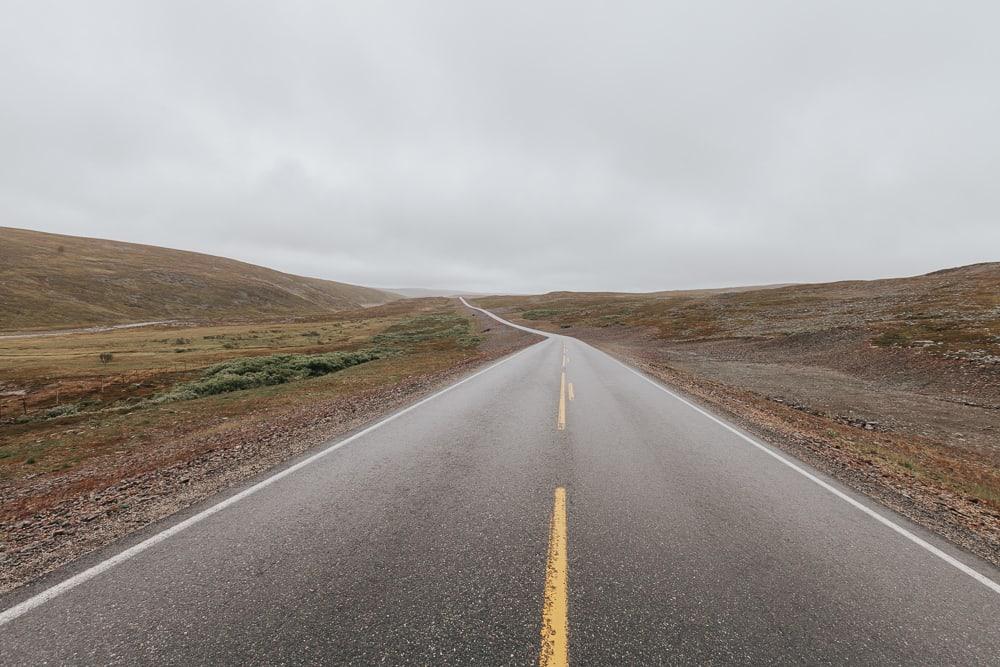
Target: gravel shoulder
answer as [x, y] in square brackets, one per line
[916, 433]
[891, 386]
[869, 456]
[220, 453]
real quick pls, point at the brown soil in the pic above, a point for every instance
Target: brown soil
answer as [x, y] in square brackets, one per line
[51, 519]
[891, 386]
[863, 452]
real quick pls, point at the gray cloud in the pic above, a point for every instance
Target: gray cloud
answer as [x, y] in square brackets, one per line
[512, 146]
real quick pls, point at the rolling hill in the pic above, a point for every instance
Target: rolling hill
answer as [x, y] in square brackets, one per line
[423, 292]
[54, 281]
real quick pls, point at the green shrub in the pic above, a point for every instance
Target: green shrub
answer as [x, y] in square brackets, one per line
[891, 338]
[62, 410]
[427, 328]
[539, 313]
[252, 372]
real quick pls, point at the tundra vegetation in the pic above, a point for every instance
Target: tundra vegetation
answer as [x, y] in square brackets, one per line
[74, 408]
[103, 432]
[53, 281]
[891, 385]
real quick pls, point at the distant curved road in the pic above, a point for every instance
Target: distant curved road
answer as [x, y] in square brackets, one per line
[557, 489]
[86, 330]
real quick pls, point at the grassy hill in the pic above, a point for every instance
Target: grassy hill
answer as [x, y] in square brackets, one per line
[423, 292]
[957, 308]
[52, 281]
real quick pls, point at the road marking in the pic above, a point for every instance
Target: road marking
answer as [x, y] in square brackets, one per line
[922, 543]
[951, 560]
[555, 611]
[501, 320]
[58, 589]
[561, 423]
[571, 391]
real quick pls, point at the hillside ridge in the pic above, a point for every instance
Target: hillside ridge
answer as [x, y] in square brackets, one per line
[56, 280]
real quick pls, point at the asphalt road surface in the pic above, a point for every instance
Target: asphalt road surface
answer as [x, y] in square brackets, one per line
[557, 505]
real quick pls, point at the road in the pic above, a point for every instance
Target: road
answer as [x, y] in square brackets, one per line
[67, 332]
[557, 492]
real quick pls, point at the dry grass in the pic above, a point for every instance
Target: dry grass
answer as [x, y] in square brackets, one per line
[53, 281]
[73, 483]
[957, 310]
[893, 380]
[85, 416]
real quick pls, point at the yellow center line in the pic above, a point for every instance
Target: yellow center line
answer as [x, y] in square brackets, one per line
[571, 391]
[555, 611]
[562, 403]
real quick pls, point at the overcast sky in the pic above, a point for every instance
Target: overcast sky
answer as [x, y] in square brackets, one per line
[512, 146]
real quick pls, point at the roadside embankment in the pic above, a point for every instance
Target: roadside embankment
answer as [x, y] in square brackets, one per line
[139, 444]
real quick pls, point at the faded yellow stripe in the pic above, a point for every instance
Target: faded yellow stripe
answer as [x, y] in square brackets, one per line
[555, 612]
[561, 423]
[571, 391]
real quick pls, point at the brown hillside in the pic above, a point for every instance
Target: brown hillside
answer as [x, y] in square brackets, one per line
[53, 281]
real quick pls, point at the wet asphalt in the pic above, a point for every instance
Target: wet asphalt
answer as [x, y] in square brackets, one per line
[424, 541]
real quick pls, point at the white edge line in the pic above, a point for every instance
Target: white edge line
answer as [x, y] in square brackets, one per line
[981, 578]
[39, 599]
[503, 321]
[951, 560]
